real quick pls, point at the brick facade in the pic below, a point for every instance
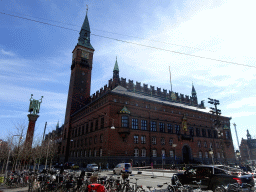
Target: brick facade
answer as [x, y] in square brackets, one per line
[147, 123]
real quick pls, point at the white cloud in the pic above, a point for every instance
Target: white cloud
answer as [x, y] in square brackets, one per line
[9, 53]
[245, 102]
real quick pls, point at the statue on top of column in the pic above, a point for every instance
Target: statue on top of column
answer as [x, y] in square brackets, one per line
[34, 105]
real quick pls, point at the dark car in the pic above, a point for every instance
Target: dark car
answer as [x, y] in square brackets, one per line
[211, 176]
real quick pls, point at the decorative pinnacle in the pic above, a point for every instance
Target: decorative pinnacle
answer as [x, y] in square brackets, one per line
[86, 9]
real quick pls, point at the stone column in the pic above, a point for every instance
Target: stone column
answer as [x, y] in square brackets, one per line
[31, 127]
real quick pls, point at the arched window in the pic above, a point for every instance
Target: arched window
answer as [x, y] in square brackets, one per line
[84, 153]
[200, 155]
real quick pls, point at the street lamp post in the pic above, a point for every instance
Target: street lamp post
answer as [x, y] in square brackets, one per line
[238, 156]
[47, 153]
[174, 146]
[9, 155]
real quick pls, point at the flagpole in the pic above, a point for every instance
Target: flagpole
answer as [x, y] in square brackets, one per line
[170, 78]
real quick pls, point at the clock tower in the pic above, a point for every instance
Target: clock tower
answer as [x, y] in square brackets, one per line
[80, 80]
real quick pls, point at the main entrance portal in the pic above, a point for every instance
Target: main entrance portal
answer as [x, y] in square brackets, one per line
[186, 154]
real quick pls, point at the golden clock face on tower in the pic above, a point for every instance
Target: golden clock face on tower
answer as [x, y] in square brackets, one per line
[85, 55]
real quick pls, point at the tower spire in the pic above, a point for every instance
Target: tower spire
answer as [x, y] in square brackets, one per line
[84, 37]
[116, 71]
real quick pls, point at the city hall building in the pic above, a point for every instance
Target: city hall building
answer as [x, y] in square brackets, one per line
[126, 121]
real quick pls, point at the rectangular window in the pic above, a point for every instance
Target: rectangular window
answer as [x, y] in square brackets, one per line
[100, 152]
[153, 140]
[171, 141]
[200, 155]
[227, 135]
[125, 121]
[87, 128]
[197, 132]
[143, 124]
[102, 123]
[135, 138]
[171, 153]
[161, 127]
[136, 152]
[191, 131]
[217, 145]
[143, 139]
[215, 134]
[143, 152]
[177, 129]
[101, 138]
[154, 153]
[209, 133]
[91, 128]
[153, 126]
[203, 132]
[169, 128]
[162, 141]
[205, 144]
[206, 154]
[199, 144]
[134, 123]
[82, 130]
[96, 124]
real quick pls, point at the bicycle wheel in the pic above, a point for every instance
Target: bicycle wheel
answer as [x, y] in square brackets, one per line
[170, 188]
[220, 189]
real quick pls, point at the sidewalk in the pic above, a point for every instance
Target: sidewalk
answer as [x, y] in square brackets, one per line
[156, 172]
[20, 189]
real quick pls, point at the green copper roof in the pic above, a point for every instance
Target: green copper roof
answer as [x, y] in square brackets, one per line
[225, 127]
[84, 37]
[116, 68]
[193, 89]
[86, 25]
[125, 110]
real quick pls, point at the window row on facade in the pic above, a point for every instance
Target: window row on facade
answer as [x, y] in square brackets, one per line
[86, 141]
[84, 153]
[164, 127]
[87, 127]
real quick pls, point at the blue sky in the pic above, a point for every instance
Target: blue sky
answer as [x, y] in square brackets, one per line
[35, 58]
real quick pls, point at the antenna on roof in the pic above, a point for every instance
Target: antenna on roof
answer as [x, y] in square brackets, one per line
[170, 78]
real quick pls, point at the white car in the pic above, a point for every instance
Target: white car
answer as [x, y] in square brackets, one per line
[122, 168]
[92, 167]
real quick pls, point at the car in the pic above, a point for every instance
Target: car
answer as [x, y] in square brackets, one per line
[211, 177]
[123, 168]
[75, 167]
[92, 167]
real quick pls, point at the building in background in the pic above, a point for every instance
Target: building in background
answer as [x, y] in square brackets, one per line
[248, 149]
[128, 122]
